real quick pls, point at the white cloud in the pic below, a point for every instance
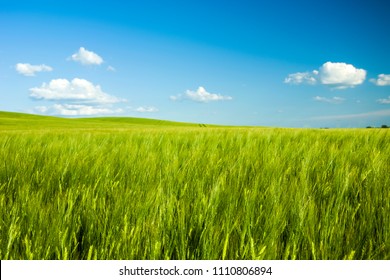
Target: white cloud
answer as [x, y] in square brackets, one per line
[383, 80]
[27, 69]
[86, 57]
[76, 110]
[146, 109]
[384, 100]
[77, 90]
[111, 69]
[339, 75]
[302, 78]
[200, 95]
[74, 98]
[333, 100]
[41, 109]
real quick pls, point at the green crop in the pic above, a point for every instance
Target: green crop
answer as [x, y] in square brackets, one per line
[142, 189]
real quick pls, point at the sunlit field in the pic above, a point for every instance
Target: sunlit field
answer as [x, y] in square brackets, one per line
[143, 189]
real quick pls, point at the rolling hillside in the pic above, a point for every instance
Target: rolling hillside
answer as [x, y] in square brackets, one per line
[20, 121]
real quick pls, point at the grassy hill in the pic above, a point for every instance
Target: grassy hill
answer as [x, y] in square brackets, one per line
[21, 121]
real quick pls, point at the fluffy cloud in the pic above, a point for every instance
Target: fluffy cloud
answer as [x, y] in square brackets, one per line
[77, 90]
[76, 110]
[86, 57]
[27, 69]
[200, 95]
[339, 75]
[302, 78]
[333, 100]
[384, 100]
[146, 109]
[383, 80]
[74, 98]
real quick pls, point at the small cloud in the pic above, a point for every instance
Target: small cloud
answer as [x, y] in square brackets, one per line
[111, 69]
[175, 98]
[76, 110]
[41, 109]
[384, 100]
[146, 109]
[338, 75]
[341, 75]
[86, 57]
[77, 90]
[383, 80]
[309, 78]
[333, 100]
[27, 69]
[200, 95]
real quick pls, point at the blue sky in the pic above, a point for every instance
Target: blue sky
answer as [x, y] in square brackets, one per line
[270, 63]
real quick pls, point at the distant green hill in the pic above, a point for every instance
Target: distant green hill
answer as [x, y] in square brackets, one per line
[21, 121]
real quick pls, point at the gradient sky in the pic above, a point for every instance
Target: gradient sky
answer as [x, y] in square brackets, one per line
[270, 63]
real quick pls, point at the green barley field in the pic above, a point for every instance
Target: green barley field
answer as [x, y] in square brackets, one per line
[125, 188]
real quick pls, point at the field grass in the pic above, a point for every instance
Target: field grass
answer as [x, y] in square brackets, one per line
[144, 189]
